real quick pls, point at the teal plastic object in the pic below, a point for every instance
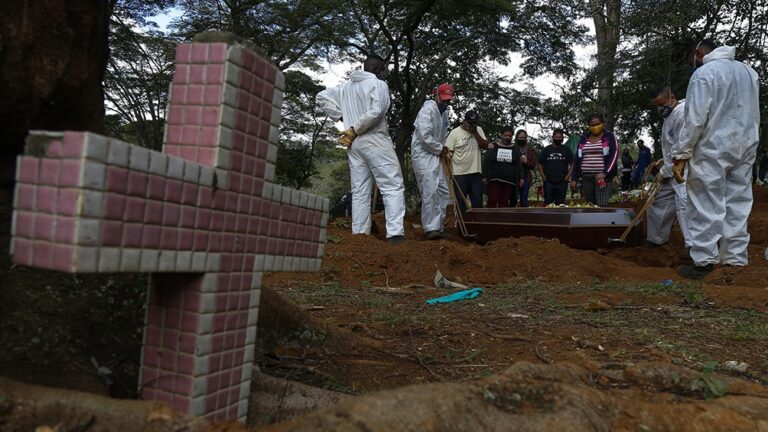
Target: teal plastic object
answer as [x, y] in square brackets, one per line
[459, 295]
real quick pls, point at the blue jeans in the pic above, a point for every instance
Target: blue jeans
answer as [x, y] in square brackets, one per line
[522, 194]
[471, 186]
[555, 192]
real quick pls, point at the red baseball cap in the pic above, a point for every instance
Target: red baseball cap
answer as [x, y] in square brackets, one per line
[444, 92]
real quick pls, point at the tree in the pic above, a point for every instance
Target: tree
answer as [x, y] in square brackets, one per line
[606, 14]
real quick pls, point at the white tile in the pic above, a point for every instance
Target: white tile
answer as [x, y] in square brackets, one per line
[269, 172]
[317, 265]
[118, 153]
[320, 250]
[199, 388]
[208, 302]
[235, 54]
[93, 175]
[96, 147]
[214, 261]
[266, 190]
[210, 283]
[130, 261]
[14, 216]
[206, 176]
[230, 95]
[258, 263]
[201, 366]
[296, 197]
[183, 261]
[245, 384]
[311, 201]
[256, 281]
[242, 411]
[232, 73]
[197, 405]
[280, 80]
[305, 264]
[221, 178]
[279, 263]
[175, 168]
[149, 260]
[225, 137]
[191, 172]
[269, 263]
[88, 232]
[304, 200]
[286, 195]
[275, 120]
[203, 345]
[322, 235]
[324, 219]
[227, 116]
[205, 324]
[86, 259]
[109, 260]
[198, 262]
[277, 193]
[91, 204]
[250, 335]
[326, 205]
[158, 163]
[167, 261]
[223, 159]
[274, 135]
[249, 353]
[277, 98]
[138, 158]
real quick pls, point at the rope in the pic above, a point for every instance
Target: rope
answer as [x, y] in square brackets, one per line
[456, 210]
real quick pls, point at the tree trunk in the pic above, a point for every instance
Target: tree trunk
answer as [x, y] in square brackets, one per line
[52, 61]
[606, 15]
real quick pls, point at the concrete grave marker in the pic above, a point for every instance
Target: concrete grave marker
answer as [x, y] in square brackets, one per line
[203, 216]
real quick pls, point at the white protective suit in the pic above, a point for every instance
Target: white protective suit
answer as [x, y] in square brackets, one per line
[431, 129]
[719, 138]
[362, 103]
[671, 198]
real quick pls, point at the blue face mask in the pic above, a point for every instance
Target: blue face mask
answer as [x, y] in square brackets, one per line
[442, 106]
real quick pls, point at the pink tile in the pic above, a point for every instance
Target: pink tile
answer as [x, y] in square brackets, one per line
[151, 237]
[189, 193]
[219, 199]
[28, 169]
[199, 53]
[206, 156]
[186, 239]
[212, 385]
[55, 149]
[193, 115]
[181, 74]
[44, 225]
[173, 150]
[183, 53]
[176, 115]
[248, 60]
[236, 162]
[249, 165]
[188, 216]
[197, 74]
[169, 238]
[189, 153]
[22, 251]
[190, 321]
[206, 197]
[214, 242]
[210, 116]
[178, 94]
[167, 358]
[70, 173]
[203, 218]
[114, 206]
[134, 209]
[267, 93]
[25, 224]
[201, 241]
[208, 136]
[227, 360]
[149, 376]
[243, 99]
[212, 95]
[111, 233]
[227, 242]
[137, 183]
[132, 235]
[46, 199]
[73, 144]
[217, 52]
[171, 214]
[173, 191]
[235, 180]
[246, 80]
[214, 74]
[151, 356]
[187, 343]
[154, 212]
[42, 254]
[239, 140]
[153, 336]
[270, 72]
[189, 135]
[232, 197]
[49, 171]
[183, 386]
[250, 244]
[185, 364]
[65, 230]
[192, 301]
[182, 403]
[173, 134]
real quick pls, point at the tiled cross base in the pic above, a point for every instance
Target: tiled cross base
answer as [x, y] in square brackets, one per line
[204, 216]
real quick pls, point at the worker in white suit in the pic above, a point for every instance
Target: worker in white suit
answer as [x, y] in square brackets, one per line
[717, 146]
[427, 147]
[672, 197]
[362, 104]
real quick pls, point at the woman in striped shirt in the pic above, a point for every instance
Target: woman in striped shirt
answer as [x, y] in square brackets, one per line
[596, 158]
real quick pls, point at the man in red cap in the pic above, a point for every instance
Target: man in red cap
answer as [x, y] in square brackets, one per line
[427, 145]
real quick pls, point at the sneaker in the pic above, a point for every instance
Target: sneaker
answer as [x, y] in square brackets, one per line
[434, 235]
[694, 271]
[395, 240]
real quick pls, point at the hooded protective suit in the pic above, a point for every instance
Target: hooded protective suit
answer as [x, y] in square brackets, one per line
[672, 198]
[719, 138]
[362, 103]
[431, 130]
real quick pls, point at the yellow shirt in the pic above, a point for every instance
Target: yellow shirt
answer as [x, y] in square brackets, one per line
[466, 152]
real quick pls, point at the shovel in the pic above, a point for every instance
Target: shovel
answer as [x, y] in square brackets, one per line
[653, 190]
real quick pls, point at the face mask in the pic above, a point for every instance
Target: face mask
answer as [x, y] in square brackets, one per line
[695, 63]
[521, 142]
[506, 140]
[665, 111]
[557, 142]
[596, 129]
[382, 75]
[442, 106]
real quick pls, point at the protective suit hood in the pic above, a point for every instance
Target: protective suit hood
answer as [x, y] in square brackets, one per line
[721, 53]
[360, 75]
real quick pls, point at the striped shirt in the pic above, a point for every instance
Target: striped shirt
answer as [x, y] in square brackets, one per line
[592, 161]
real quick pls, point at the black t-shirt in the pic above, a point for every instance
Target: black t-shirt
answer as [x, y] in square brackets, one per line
[555, 160]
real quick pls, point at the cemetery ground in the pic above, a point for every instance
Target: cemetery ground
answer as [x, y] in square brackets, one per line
[362, 325]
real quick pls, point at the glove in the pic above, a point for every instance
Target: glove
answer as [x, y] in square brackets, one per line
[346, 137]
[678, 170]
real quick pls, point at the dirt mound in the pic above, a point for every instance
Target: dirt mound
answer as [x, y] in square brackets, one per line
[648, 396]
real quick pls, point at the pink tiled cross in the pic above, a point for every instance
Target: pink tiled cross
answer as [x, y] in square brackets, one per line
[203, 217]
